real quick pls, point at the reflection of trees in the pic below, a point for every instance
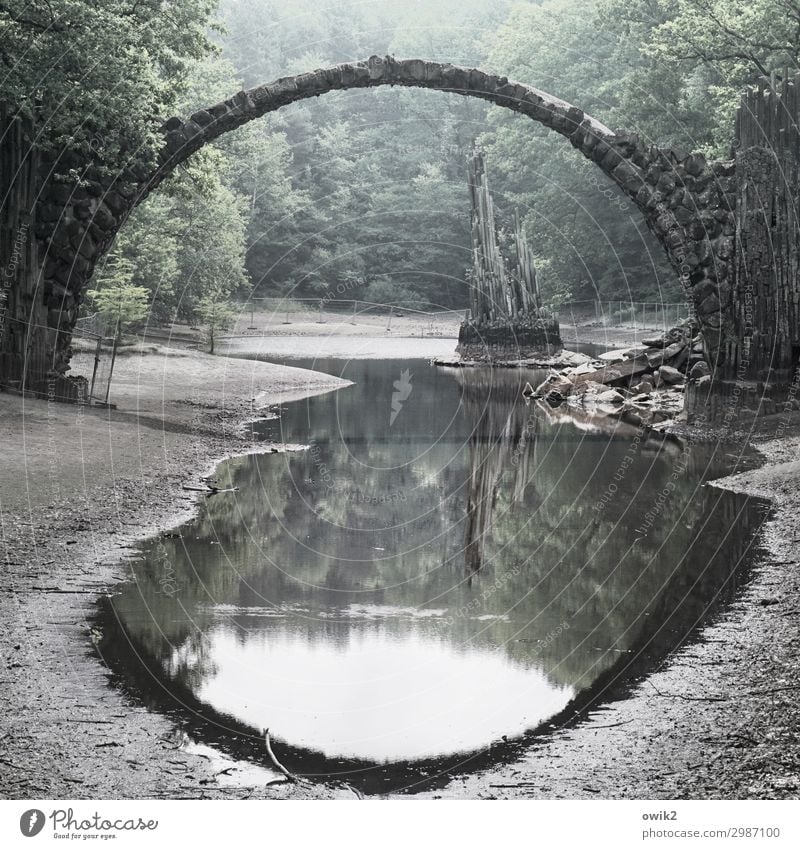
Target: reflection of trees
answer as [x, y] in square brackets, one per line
[306, 552]
[502, 433]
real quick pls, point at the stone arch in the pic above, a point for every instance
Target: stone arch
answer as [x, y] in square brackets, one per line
[686, 201]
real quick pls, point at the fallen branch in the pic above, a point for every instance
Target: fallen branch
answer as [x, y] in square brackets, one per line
[688, 698]
[349, 787]
[773, 690]
[208, 490]
[512, 786]
[613, 724]
[290, 776]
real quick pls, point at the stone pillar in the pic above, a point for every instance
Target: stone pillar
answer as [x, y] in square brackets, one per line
[766, 296]
[761, 338]
[24, 336]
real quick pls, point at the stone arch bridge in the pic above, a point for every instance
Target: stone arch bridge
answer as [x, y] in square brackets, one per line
[689, 203]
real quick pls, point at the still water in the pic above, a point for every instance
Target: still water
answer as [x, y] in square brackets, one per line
[445, 572]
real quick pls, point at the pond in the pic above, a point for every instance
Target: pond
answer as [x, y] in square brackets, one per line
[444, 573]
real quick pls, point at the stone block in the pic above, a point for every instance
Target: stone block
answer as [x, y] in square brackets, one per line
[666, 184]
[695, 164]
[671, 376]
[610, 396]
[629, 177]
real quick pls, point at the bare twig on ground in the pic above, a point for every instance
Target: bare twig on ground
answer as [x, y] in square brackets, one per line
[290, 776]
[513, 785]
[773, 690]
[208, 490]
[613, 724]
[688, 698]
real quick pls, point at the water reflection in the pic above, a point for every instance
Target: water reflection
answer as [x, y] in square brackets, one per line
[425, 582]
[503, 437]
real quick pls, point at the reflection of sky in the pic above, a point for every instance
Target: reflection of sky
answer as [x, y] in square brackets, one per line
[380, 697]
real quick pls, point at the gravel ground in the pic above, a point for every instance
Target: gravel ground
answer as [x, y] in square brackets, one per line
[720, 719]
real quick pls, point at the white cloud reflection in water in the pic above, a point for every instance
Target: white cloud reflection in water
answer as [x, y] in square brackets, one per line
[379, 696]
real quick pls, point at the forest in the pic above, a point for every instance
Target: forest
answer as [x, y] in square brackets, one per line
[364, 193]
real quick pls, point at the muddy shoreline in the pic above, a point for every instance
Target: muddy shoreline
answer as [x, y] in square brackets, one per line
[718, 720]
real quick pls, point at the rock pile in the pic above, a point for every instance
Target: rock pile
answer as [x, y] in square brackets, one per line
[643, 384]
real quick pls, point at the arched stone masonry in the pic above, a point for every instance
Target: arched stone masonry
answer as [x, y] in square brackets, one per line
[686, 201]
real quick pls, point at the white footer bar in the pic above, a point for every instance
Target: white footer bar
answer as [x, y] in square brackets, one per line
[410, 824]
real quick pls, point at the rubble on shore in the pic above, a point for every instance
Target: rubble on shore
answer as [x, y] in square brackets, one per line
[641, 385]
[561, 360]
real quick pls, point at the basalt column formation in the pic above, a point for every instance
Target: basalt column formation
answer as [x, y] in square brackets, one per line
[506, 321]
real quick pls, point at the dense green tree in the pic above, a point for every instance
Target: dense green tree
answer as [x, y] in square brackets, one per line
[148, 246]
[98, 77]
[212, 227]
[215, 314]
[121, 305]
[189, 239]
[186, 241]
[380, 202]
[591, 240]
[362, 194]
[709, 50]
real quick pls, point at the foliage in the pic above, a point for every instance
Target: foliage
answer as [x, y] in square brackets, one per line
[148, 247]
[362, 194]
[98, 75]
[379, 178]
[212, 231]
[120, 303]
[190, 238]
[215, 315]
[185, 243]
[710, 49]
[589, 237]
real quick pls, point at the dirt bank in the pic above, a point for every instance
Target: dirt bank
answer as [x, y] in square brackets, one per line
[719, 719]
[359, 336]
